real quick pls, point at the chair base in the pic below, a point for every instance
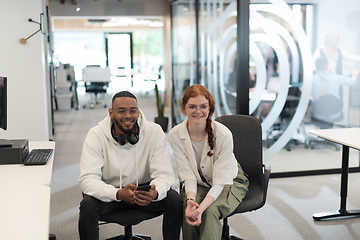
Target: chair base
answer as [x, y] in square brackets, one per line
[226, 232]
[132, 237]
[94, 103]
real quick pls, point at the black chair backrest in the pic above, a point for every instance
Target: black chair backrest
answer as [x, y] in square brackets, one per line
[247, 137]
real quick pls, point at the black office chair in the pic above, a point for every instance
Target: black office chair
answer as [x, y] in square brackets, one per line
[286, 115]
[96, 88]
[288, 112]
[128, 218]
[247, 133]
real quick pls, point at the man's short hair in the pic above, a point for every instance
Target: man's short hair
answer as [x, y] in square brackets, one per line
[123, 94]
[321, 64]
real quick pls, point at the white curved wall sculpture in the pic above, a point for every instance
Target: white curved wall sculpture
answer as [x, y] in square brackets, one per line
[276, 36]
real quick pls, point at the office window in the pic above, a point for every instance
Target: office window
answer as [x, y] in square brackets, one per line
[79, 49]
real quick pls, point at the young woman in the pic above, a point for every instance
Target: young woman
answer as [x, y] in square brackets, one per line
[215, 184]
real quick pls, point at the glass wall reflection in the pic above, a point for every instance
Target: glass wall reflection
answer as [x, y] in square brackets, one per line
[303, 72]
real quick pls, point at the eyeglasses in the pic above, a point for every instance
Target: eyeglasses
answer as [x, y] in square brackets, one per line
[202, 108]
[122, 112]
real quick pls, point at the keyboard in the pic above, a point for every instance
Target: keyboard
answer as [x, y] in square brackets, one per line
[38, 157]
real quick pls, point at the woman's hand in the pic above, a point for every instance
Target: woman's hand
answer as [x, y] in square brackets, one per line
[192, 215]
[194, 212]
[193, 218]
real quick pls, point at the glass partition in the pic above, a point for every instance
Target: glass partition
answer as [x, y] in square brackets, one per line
[183, 51]
[300, 53]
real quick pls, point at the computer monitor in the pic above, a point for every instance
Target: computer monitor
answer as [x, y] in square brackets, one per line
[3, 110]
[3, 103]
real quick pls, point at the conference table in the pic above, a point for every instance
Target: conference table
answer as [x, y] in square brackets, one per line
[348, 138]
[25, 198]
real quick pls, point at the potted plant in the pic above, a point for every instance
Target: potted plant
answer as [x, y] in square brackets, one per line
[160, 106]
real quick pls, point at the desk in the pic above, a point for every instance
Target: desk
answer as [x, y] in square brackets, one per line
[24, 212]
[19, 174]
[132, 72]
[25, 198]
[348, 137]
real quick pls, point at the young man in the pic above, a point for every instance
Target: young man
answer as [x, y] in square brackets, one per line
[122, 152]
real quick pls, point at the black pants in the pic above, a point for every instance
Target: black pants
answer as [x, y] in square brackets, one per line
[91, 209]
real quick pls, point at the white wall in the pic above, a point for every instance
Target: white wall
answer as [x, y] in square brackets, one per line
[24, 66]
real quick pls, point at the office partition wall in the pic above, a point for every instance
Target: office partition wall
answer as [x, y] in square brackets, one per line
[283, 44]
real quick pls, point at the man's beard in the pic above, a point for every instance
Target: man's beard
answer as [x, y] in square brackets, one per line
[125, 131]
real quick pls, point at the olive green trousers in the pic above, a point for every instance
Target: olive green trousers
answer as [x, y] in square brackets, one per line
[211, 226]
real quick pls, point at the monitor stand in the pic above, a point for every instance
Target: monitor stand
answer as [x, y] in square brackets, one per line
[5, 143]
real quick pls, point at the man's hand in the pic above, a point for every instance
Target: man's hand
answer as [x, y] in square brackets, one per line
[144, 198]
[127, 194]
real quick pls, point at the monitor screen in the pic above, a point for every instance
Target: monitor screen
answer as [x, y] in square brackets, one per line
[3, 103]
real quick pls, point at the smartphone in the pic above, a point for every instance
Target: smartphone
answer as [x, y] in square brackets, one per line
[144, 188]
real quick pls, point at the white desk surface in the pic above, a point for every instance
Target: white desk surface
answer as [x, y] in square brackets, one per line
[19, 174]
[346, 136]
[25, 212]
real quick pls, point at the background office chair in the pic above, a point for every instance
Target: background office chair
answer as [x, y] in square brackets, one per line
[322, 115]
[96, 81]
[96, 88]
[128, 218]
[247, 132]
[285, 117]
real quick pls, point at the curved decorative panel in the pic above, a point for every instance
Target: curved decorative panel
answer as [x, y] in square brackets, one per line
[281, 41]
[277, 29]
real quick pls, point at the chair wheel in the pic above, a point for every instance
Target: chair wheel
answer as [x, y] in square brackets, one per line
[92, 106]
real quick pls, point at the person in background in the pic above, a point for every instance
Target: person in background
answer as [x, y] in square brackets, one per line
[214, 182]
[335, 56]
[121, 153]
